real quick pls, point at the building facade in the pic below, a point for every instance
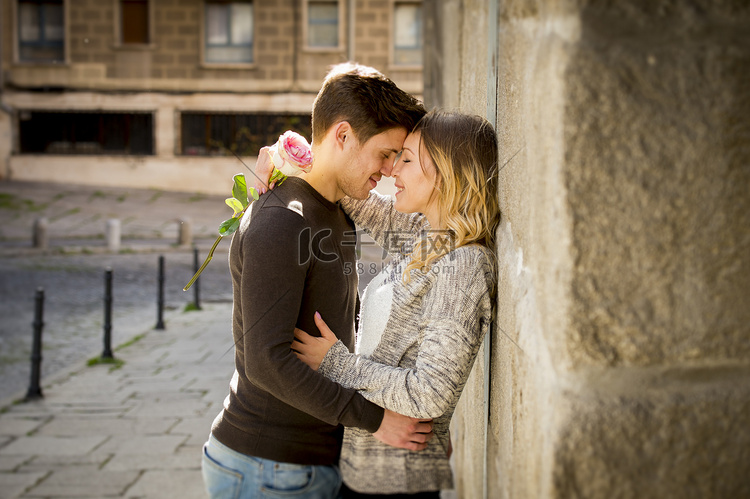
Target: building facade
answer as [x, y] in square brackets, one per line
[163, 93]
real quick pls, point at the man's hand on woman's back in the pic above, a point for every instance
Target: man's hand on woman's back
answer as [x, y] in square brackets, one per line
[404, 432]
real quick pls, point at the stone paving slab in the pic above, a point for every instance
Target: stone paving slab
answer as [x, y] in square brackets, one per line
[52, 446]
[18, 426]
[49, 462]
[185, 484]
[195, 428]
[11, 463]
[179, 461]
[161, 445]
[14, 484]
[65, 425]
[84, 481]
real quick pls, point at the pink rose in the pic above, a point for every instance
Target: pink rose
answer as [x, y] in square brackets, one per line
[291, 154]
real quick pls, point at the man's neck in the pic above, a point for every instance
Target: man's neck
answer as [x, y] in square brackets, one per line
[323, 182]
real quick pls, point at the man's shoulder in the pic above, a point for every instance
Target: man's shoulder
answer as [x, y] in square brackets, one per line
[294, 195]
[284, 203]
[269, 227]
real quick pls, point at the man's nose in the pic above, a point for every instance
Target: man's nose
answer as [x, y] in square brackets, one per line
[387, 168]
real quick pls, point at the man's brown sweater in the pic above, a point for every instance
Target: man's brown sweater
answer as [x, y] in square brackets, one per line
[293, 255]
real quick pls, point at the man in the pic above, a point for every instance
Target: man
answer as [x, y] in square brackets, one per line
[281, 426]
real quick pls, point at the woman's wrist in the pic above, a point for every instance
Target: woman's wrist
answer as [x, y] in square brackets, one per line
[330, 367]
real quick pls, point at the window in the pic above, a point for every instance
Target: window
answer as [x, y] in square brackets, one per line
[407, 34]
[41, 31]
[44, 132]
[134, 29]
[229, 32]
[322, 24]
[214, 134]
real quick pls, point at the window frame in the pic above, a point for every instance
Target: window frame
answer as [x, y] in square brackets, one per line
[16, 33]
[118, 43]
[341, 29]
[204, 35]
[392, 36]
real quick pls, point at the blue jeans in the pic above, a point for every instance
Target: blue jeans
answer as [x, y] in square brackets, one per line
[229, 474]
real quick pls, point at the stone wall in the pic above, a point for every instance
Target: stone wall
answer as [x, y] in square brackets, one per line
[620, 364]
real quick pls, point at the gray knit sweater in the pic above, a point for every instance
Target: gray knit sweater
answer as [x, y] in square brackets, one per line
[416, 346]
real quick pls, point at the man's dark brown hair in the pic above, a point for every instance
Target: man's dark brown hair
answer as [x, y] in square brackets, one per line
[365, 98]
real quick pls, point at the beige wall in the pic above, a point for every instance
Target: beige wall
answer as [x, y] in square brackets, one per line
[204, 175]
[620, 364]
[164, 170]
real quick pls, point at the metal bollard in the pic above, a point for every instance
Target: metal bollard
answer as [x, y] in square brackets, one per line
[160, 296]
[107, 352]
[35, 391]
[196, 286]
[39, 233]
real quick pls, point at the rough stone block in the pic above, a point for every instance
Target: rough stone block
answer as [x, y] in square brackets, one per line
[667, 443]
[657, 179]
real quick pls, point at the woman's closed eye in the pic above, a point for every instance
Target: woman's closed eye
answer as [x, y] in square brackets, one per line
[398, 156]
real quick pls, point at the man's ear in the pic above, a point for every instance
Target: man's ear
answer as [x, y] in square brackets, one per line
[343, 133]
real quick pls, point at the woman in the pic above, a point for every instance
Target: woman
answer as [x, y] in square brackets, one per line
[424, 316]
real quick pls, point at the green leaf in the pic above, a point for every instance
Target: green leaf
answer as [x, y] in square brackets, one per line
[235, 204]
[239, 190]
[254, 193]
[229, 226]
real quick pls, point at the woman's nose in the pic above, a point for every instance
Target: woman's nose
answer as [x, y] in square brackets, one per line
[395, 168]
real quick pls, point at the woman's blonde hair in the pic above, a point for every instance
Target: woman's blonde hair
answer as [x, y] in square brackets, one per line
[464, 150]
